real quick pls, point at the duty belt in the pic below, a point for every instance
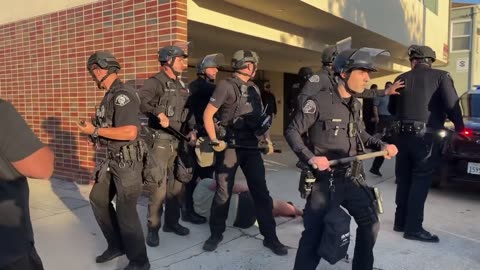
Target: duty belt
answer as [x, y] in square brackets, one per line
[412, 127]
[160, 135]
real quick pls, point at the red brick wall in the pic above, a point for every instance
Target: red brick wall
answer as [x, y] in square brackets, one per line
[43, 66]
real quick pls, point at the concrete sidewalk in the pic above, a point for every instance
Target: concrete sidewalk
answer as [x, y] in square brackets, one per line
[68, 237]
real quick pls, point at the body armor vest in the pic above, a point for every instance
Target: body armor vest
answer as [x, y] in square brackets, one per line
[173, 102]
[334, 124]
[246, 113]
[104, 113]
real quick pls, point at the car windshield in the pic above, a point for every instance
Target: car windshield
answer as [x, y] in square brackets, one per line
[470, 104]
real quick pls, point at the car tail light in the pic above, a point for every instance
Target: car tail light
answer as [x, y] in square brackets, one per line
[466, 134]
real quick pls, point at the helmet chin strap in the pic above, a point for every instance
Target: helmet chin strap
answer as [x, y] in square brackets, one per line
[99, 82]
[345, 83]
[250, 76]
[207, 78]
[171, 67]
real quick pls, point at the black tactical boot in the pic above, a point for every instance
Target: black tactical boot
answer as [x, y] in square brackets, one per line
[212, 242]
[276, 247]
[152, 238]
[109, 255]
[177, 229]
[134, 266]
[192, 217]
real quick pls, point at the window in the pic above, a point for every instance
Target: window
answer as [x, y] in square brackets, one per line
[461, 34]
[432, 5]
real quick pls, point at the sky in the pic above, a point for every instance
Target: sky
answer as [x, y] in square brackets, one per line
[467, 1]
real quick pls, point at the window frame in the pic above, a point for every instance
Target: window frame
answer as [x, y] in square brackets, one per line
[469, 35]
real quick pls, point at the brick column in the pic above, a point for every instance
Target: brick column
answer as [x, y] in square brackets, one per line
[43, 66]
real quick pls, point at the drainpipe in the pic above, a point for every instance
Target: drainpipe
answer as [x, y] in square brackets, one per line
[473, 16]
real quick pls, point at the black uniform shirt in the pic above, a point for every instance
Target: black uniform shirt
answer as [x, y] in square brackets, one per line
[429, 96]
[126, 110]
[17, 141]
[330, 114]
[150, 94]
[200, 92]
[224, 93]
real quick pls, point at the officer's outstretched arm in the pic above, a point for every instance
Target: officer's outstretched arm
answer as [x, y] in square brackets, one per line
[208, 114]
[300, 124]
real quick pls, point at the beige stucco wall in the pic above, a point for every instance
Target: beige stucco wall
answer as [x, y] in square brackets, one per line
[461, 77]
[17, 10]
[408, 21]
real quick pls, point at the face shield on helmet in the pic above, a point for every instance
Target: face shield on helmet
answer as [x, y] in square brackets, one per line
[354, 65]
[210, 61]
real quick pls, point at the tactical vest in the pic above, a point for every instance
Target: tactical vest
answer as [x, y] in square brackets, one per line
[334, 124]
[245, 114]
[104, 113]
[173, 102]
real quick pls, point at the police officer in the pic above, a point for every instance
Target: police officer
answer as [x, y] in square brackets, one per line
[163, 101]
[116, 126]
[201, 90]
[238, 102]
[427, 99]
[332, 120]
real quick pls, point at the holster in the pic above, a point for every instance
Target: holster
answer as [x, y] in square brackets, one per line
[100, 173]
[307, 179]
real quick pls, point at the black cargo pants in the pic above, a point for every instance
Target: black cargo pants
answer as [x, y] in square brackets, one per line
[163, 186]
[358, 204]
[251, 163]
[120, 224]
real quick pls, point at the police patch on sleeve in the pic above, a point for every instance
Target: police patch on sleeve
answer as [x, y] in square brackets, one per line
[314, 78]
[122, 100]
[310, 107]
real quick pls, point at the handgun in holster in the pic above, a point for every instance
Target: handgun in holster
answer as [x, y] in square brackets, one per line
[307, 179]
[378, 199]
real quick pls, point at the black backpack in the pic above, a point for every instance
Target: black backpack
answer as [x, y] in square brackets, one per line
[336, 235]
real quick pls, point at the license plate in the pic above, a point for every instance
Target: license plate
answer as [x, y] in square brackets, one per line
[473, 168]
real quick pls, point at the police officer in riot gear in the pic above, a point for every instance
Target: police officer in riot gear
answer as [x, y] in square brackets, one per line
[427, 99]
[240, 112]
[201, 90]
[120, 174]
[332, 120]
[163, 100]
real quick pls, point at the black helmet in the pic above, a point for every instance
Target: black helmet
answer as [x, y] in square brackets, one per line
[329, 54]
[104, 60]
[305, 72]
[169, 52]
[351, 59]
[421, 52]
[241, 57]
[211, 60]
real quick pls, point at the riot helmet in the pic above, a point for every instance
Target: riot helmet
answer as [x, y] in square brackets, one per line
[165, 54]
[305, 73]
[103, 60]
[241, 57]
[328, 55]
[210, 61]
[351, 59]
[357, 59]
[423, 53]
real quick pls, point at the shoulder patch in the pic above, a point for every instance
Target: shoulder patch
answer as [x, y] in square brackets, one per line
[122, 100]
[315, 78]
[310, 107]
